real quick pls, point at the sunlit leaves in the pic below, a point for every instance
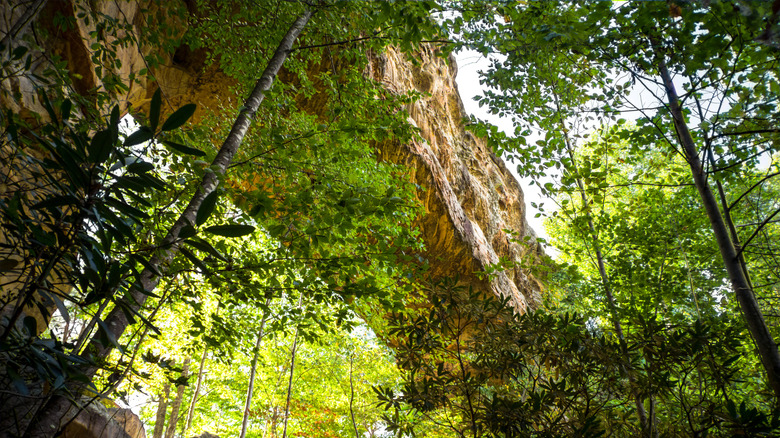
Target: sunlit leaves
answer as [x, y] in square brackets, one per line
[562, 70]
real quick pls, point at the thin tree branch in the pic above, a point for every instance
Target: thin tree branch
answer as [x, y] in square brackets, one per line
[762, 225]
[22, 23]
[749, 132]
[733, 204]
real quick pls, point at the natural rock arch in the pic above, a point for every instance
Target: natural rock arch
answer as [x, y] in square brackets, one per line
[470, 197]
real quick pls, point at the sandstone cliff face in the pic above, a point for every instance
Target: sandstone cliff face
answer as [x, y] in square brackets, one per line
[469, 195]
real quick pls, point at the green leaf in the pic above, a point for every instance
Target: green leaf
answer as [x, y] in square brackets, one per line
[195, 260]
[151, 181]
[12, 129]
[100, 147]
[8, 264]
[31, 325]
[206, 208]
[145, 263]
[120, 224]
[45, 238]
[56, 201]
[18, 53]
[179, 117]
[130, 183]
[127, 209]
[65, 109]
[49, 108]
[140, 167]
[106, 334]
[59, 304]
[184, 149]
[206, 247]
[114, 122]
[154, 110]
[143, 134]
[187, 231]
[233, 230]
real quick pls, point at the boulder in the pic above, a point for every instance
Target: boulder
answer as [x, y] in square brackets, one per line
[99, 421]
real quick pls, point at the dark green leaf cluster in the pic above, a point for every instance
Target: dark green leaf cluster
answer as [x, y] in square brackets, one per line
[74, 203]
[476, 368]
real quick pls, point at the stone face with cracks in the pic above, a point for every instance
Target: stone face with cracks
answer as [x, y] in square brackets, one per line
[470, 197]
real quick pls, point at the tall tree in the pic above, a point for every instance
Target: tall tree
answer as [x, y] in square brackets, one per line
[162, 411]
[196, 392]
[621, 48]
[252, 374]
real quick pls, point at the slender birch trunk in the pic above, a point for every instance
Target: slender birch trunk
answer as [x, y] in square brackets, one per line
[289, 383]
[352, 394]
[58, 411]
[191, 411]
[162, 410]
[252, 373]
[174, 417]
[292, 373]
[751, 312]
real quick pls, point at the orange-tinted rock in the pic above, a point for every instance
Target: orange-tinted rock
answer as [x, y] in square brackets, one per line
[469, 194]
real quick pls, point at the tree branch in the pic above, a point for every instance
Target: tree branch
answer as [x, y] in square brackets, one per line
[766, 221]
[733, 204]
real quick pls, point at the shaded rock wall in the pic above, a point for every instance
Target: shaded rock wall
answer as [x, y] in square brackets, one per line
[469, 195]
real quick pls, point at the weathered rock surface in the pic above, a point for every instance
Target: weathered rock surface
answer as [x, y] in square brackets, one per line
[98, 421]
[470, 196]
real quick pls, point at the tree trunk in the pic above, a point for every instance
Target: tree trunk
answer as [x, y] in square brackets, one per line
[289, 383]
[174, 417]
[292, 372]
[644, 423]
[162, 408]
[59, 410]
[751, 312]
[191, 411]
[352, 394]
[252, 373]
